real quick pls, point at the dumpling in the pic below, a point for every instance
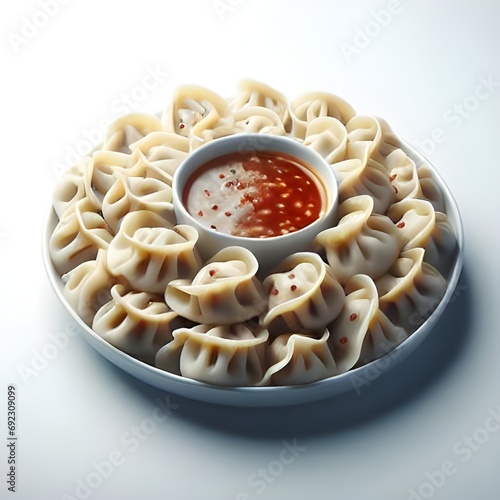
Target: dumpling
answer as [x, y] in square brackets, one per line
[78, 236]
[430, 188]
[327, 136]
[224, 291]
[258, 120]
[348, 331]
[138, 323]
[198, 114]
[129, 129]
[372, 179]
[362, 332]
[403, 175]
[411, 290]
[442, 245]
[299, 359]
[364, 137]
[71, 187]
[149, 252]
[226, 355]
[381, 338]
[303, 295]
[361, 243]
[415, 220]
[389, 142]
[421, 226]
[360, 173]
[253, 94]
[312, 105]
[131, 194]
[160, 153]
[87, 287]
[102, 171]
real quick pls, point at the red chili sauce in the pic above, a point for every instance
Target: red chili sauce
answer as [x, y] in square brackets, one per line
[254, 195]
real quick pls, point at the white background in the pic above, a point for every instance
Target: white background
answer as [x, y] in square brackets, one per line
[76, 409]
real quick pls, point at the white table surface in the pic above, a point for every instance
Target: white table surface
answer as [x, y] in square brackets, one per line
[430, 428]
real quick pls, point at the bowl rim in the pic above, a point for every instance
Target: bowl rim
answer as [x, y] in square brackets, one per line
[331, 191]
[271, 396]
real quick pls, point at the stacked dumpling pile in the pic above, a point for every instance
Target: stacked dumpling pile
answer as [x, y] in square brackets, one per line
[135, 276]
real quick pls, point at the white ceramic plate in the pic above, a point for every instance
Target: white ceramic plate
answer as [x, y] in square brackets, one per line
[268, 396]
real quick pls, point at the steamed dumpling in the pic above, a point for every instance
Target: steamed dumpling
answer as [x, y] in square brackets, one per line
[253, 95]
[129, 129]
[403, 175]
[348, 331]
[87, 287]
[160, 153]
[361, 173]
[132, 194]
[410, 290]
[149, 252]
[138, 323]
[420, 226]
[199, 114]
[71, 187]
[299, 359]
[415, 221]
[224, 291]
[78, 236]
[313, 105]
[303, 295]
[441, 249]
[103, 169]
[361, 243]
[430, 189]
[371, 178]
[327, 136]
[382, 338]
[258, 120]
[364, 135]
[226, 355]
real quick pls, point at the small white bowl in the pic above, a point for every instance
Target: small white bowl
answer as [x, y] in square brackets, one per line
[271, 250]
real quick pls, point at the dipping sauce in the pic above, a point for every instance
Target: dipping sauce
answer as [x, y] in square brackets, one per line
[254, 195]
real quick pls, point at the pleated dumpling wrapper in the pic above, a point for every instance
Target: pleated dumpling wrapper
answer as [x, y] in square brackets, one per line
[303, 295]
[227, 355]
[148, 252]
[224, 291]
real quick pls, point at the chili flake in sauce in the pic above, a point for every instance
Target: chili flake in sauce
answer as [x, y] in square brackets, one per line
[255, 195]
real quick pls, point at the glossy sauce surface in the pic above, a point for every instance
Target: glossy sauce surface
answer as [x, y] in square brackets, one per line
[254, 195]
